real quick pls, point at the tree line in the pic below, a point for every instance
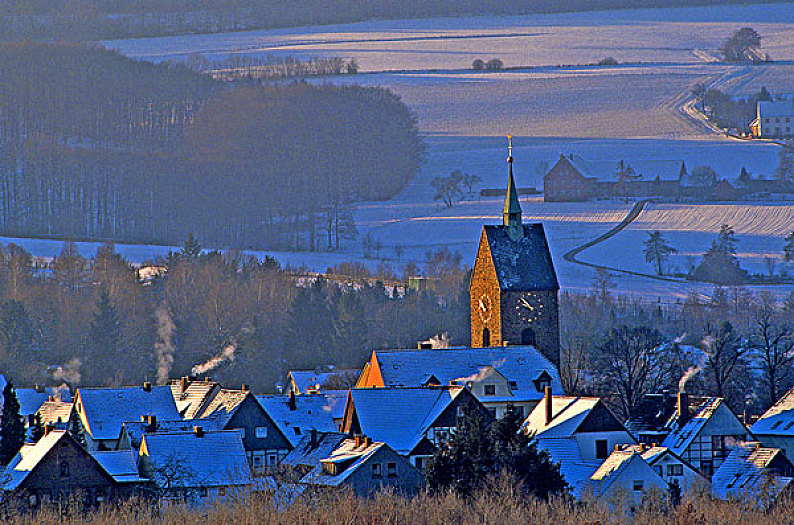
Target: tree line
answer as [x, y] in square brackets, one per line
[97, 19]
[109, 148]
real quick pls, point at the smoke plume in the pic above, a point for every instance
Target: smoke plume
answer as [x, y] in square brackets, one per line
[439, 341]
[164, 346]
[227, 354]
[692, 371]
[56, 391]
[484, 372]
[69, 373]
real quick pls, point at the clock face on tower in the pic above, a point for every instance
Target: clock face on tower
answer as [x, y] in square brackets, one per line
[484, 308]
[530, 307]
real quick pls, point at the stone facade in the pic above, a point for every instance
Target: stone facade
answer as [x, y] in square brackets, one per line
[485, 287]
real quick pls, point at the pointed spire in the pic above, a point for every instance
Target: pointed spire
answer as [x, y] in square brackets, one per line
[511, 214]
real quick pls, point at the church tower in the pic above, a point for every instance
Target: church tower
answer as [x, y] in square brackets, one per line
[514, 289]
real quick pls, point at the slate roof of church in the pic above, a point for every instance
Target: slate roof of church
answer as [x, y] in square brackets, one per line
[525, 264]
[519, 364]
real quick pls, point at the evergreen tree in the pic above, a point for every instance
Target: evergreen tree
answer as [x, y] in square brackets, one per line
[104, 344]
[478, 450]
[37, 430]
[657, 250]
[720, 264]
[16, 331]
[12, 430]
[191, 248]
[788, 249]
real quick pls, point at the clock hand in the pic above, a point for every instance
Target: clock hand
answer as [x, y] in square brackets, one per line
[482, 305]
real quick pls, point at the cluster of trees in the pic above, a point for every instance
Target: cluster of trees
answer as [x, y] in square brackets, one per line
[240, 66]
[719, 264]
[726, 111]
[493, 64]
[450, 188]
[98, 321]
[109, 148]
[736, 344]
[744, 45]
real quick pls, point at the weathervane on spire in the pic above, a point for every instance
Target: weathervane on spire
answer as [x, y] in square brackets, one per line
[510, 149]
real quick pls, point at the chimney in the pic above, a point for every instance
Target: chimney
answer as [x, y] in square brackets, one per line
[291, 401]
[51, 399]
[683, 408]
[48, 428]
[152, 422]
[359, 440]
[183, 383]
[547, 404]
[198, 431]
[245, 388]
[147, 386]
[367, 441]
[313, 438]
[39, 389]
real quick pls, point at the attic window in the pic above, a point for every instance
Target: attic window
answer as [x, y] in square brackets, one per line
[513, 385]
[788, 425]
[297, 430]
[490, 390]
[638, 485]
[777, 424]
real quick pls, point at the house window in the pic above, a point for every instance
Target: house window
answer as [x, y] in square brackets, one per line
[203, 492]
[221, 491]
[297, 430]
[391, 470]
[261, 432]
[486, 337]
[601, 449]
[64, 469]
[637, 485]
[490, 390]
[376, 470]
[675, 470]
[271, 460]
[419, 463]
[257, 461]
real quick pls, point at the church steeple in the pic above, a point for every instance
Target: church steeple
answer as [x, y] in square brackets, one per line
[511, 214]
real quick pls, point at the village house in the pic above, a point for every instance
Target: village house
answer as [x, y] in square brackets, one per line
[57, 467]
[100, 412]
[365, 467]
[565, 182]
[755, 474]
[774, 119]
[414, 421]
[595, 451]
[195, 466]
[775, 428]
[699, 430]
[297, 416]
[314, 381]
[53, 414]
[501, 378]
[192, 395]
[673, 470]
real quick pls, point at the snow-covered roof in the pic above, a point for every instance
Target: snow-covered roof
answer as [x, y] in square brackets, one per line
[53, 412]
[122, 465]
[191, 395]
[400, 416]
[336, 401]
[611, 469]
[31, 399]
[135, 430]
[522, 265]
[521, 365]
[224, 404]
[567, 413]
[308, 452]
[679, 439]
[216, 458]
[747, 471]
[573, 468]
[312, 411]
[348, 456]
[775, 108]
[105, 409]
[28, 458]
[779, 419]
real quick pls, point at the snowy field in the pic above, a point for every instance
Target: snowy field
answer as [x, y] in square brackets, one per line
[602, 114]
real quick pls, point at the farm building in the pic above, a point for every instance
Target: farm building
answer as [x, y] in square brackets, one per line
[775, 119]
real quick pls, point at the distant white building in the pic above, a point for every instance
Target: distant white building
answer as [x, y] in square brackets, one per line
[774, 119]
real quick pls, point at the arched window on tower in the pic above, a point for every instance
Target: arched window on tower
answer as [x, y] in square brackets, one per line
[528, 337]
[486, 337]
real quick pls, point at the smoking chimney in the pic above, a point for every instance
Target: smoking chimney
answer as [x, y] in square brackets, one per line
[147, 386]
[683, 408]
[183, 383]
[547, 404]
[199, 431]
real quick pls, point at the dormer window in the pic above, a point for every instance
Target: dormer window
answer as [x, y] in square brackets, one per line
[490, 390]
[543, 381]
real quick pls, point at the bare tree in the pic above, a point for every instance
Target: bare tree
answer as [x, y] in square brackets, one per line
[724, 353]
[773, 345]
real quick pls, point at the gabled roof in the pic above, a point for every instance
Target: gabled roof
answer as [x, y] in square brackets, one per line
[312, 411]
[748, 470]
[31, 454]
[400, 416]
[779, 419]
[308, 452]
[191, 395]
[224, 404]
[519, 364]
[54, 412]
[31, 399]
[106, 409]
[612, 467]
[775, 108]
[569, 414]
[311, 380]
[135, 430]
[571, 162]
[122, 465]
[214, 459]
[348, 456]
[525, 264]
[679, 439]
[573, 468]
